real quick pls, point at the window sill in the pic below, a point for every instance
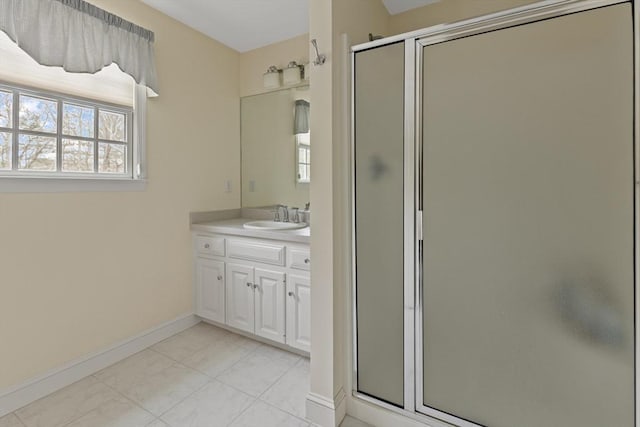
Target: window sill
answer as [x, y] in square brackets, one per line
[69, 185]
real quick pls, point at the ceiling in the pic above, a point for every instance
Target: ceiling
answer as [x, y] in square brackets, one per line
[399, 6]
[244, 25]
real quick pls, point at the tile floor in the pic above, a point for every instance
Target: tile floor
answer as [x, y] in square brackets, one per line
[202, 377]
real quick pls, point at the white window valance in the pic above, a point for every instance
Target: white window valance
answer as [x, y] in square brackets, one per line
[79, 37]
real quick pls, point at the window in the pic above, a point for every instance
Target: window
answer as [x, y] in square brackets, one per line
[45, 134]
[303, 146]
[67, 132]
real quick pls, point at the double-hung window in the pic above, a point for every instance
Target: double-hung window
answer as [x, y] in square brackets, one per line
[72, 107]
[45, 134]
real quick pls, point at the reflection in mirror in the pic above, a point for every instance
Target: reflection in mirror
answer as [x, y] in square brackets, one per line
[276, 148]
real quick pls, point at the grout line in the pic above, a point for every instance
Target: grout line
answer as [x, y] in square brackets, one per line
[300, 362]
[162, 354]
[182, 400]
[284, 410]
[74, 419]
[126, 398]
[245, 409]
[22, 423]
[173, 406]
[274, 383]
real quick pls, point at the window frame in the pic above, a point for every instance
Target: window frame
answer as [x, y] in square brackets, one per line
[134, 178]
[305, 145]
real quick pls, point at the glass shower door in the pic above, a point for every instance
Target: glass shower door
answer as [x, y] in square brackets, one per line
[379, 221]
[528, 207]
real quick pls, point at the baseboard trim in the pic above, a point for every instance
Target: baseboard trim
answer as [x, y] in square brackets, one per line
[326, 412]
[21, 395]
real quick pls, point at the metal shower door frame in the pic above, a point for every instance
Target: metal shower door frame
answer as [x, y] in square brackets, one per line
[415, 42]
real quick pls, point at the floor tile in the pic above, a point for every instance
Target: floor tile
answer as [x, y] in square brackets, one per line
[215, 405]
[66, 405]
[352, 422]
[128, 372]
[216, 358]
[115, 413]
[260, 414]
[260, 370]
[242, 341]
[186, 343]
[289, 393]
[153, 381]
[10, 421]
[157, 423]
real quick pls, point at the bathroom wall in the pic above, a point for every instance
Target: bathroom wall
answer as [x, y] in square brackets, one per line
[82, 271]
[255, 62]
[329, 236]
[447, 11]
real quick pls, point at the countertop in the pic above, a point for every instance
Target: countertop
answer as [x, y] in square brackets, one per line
[235, 227]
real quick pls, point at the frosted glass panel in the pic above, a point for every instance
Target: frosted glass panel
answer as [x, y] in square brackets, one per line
[528, 215]
[379, 123]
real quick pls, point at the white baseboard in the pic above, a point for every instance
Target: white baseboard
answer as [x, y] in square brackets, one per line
[326, 412]
[36, 388]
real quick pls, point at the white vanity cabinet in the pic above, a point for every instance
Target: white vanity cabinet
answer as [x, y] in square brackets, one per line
[255, 301]
[259, 286]
[210, 289]
[298, 312]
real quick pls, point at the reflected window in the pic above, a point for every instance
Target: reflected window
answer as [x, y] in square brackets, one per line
[303, 148]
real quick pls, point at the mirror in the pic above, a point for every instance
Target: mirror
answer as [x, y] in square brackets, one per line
[275, 161]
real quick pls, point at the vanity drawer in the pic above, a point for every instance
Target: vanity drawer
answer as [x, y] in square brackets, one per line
[209, 245]
[267, 253]
[299, 258]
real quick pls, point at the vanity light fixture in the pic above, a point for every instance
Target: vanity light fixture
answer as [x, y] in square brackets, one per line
[271, 79]
[292, 75]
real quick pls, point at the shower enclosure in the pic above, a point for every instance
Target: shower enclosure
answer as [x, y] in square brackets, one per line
[495, 216]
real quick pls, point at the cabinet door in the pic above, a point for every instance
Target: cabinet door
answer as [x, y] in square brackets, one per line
[269, 303]
[299, 312]
[210, 289]
[240, 305]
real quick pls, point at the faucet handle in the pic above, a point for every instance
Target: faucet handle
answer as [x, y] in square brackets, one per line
[296, 215]
[276, 214]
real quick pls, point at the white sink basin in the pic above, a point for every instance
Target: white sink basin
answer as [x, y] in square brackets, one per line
[273, 225]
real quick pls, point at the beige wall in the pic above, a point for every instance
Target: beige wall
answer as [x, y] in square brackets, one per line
[81, 271]
[254, 63]
[329, 115]
[447, 11]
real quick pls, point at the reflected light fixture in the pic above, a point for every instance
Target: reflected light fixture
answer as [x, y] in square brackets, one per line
[271, 79]
[292, 75]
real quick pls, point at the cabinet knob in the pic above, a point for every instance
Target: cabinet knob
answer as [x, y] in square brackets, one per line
[307, 261]
[219, 277]
[256, 286]
[249, 284]
[207, 245]
[291, 294]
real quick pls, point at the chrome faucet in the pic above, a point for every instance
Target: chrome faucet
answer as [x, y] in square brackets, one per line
[296, 215]
[285, 213]
[276, 213]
